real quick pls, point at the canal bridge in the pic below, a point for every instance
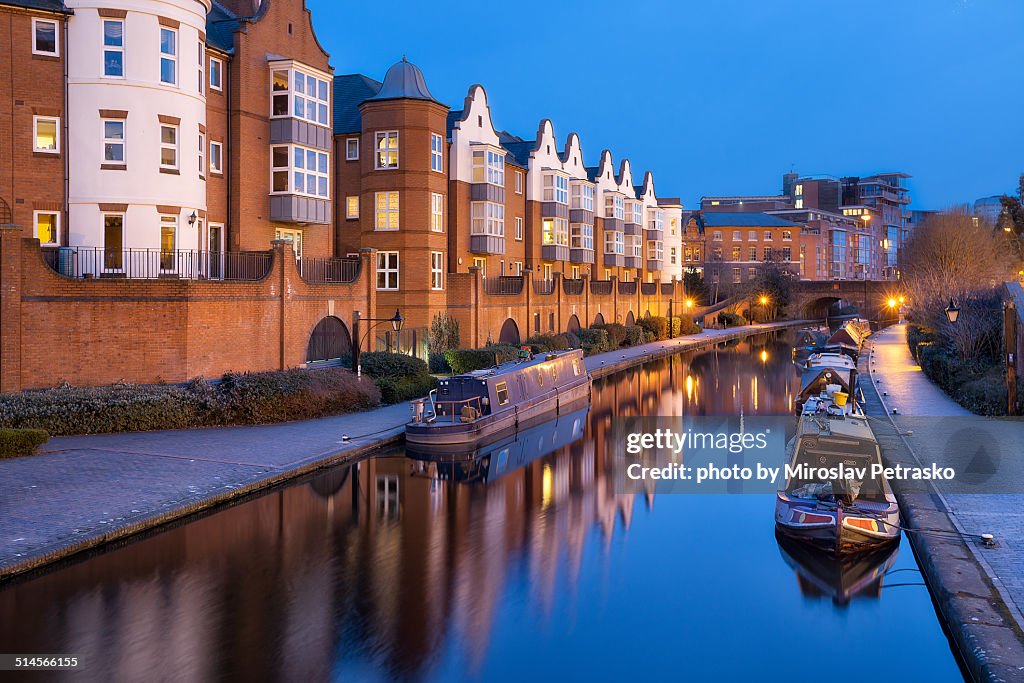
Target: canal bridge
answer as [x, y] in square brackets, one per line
[810, 299]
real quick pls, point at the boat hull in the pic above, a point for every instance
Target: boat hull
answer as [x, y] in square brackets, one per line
[835, 530]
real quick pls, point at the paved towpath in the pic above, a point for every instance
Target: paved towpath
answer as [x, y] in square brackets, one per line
[82, 491]
[980, 590]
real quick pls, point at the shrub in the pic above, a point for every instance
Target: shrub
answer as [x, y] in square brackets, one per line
[593, 340]
[655, 326]
[684, 326]
[571, 339]
[383, 364]
[438, 363]
[634, 336]
[616, 334]
[467, 360]
[917, 335]
[261, 397]
[396, 389]
[731, 319]
[15, 443]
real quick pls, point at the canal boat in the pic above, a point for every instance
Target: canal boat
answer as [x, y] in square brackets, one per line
[830, 359]
[831, 500]
[808, 340]
[469, 408]
[825, 378]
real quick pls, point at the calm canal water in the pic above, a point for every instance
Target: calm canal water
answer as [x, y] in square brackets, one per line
[393, 569]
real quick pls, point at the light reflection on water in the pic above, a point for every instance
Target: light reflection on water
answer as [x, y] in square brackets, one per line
[383, 571]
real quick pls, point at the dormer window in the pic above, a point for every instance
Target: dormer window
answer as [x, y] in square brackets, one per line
[489, 167]
[582, 196]
[299, 94]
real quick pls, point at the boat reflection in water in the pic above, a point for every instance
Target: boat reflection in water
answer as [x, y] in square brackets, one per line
[841, 578]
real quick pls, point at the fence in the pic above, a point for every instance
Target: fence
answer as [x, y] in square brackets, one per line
[573, 287]
[543, 286]
[649, 288]
[329, 269]
[668, 289]
[601, 287]
[627, 287]
[504, 285]
[153, 264]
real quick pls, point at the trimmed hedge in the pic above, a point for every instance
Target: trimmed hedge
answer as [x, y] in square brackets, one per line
[397, 389]
[655, 326]
[616, 334]
[467, 360]
[383, 364]
[731, 319]
[249, 398]
[634, 336]
[542, 343]
[593, 340]
[15, 443]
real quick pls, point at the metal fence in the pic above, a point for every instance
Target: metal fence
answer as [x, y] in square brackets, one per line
[648, 288]
[330, 269]
[668, 289]
[154, 264]
[627, 287]
[504, 285]
[601, 287]
[543, 286]
[573, 287]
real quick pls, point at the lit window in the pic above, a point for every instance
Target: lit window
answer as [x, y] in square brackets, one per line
[168, 239]
[488, 167]
[45, 40]
[481, 264]
[501, 391]
[519, 228]
[387, 211]
[307, 170]
[113, 48]
[113, 241]
[46, 134]
[169, 147]
[436, 270]
[299, 94]
[437, 212]
[582, 236]
[387, 270]
[351, 207]
[488, 218]
[436, 153]
[582, 196]
[168, 56]
[216, 74]
[673, 256]
[216, 157]
[387, 149]
[47, 229]
[787, 236]
[351, 149]
[113, 141]
[655, 250]
[517, 268]
[556, 188]
[555, 231]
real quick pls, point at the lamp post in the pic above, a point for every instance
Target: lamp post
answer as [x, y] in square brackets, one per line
[764, 300]
[952, 312]
[671, 327]
[396, 324]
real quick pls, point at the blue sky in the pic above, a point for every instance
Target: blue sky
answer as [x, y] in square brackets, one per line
[724, 96]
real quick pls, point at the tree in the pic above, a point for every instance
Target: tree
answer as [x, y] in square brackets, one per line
[774, 281]
[444, 334]
[695, 287]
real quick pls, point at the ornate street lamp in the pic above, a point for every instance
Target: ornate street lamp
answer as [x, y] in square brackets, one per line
[952, 312]
[396, 324]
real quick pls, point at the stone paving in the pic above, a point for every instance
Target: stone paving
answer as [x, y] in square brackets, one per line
[82, 491]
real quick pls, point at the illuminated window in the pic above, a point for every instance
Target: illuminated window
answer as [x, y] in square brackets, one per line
[387, 150]
[168, 240]
[46, 134]
[47, 229]
[437, 212]
[351, 207]
[555, 231]
[386, 217]
[488, 167]
[501, 391]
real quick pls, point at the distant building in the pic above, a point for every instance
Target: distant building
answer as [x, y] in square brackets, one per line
[989, 209]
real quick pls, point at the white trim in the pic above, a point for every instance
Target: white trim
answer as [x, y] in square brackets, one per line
[385, 135]
[386, 271]
[437, 271]
[176, 146]
[387, 211]
[171, 57]
[437, 154]
[349, 204]
[436, 212]
[123, 141]
[56, 37]
[119, 49]
[217, 169]
[349, 156]
[35, 227]
[35, 134]
[202, 155]
[220, 73]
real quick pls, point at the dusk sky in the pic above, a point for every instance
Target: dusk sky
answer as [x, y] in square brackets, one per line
[724, 97]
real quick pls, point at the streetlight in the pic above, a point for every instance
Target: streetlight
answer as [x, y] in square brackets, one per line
[763, 300]
[396, 324]
[903, 300]
[689, 303]
[952, 312]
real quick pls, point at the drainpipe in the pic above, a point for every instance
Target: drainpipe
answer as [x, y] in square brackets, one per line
[64, 238]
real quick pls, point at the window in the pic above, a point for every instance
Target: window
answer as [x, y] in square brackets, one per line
[306, 168]
[767, 253]
[113, 48]
[614, 242]
[752, 235]
[45, 40]
[737, 276]
[501, 391]
[547, 272]
[387, 268]
[787, 253]
[614, 206]
[735, 253]
[637, 213]
[481, 264]
[113, 241]
[308, 95]
[436, 270]
[736, 236]
[634, 246]
[519, 228]
[656, 250]
[517, 268]
[294, 237]
[767, 235]
[351, 207]
[673, 256]
[656, 221]
[582, 236]
[752, 254]
[169, 147]
[202, 155]
[202, 61]
[437, 212]
[216, 74]
[113, 141]
[436, 153]
[351, 149]
[216, 157]
[488, 218]
[387, 149]
[387, 211]
[488, 167]
[46, 134]
[556, 188]
[519, 182]
[583, 196]
[47, 229]
[787, 236]
[717, 236]
[575, 272]
[168, 56]
[168, 235]
[555, 231]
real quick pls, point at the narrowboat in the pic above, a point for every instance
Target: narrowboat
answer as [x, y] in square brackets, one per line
[808, 341]
[479, 405]
[817, 379]
[830, 499]
[830, 359]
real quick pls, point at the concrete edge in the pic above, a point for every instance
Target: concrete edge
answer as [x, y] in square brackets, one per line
[979, 625]
[322, 461]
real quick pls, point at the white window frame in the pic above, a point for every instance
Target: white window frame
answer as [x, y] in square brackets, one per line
[35, 134]
[736, 235]
[614, 242]
[787, 235]
[519, 229]
[388, 271]
[218, 167]
[112, 49]
[555, 231]
[295, 169]
[437, 270]
[716, 236]
[614, 206]
[351, 149]
[436, 153]
[383, 216]
[638, 213]
[35, 227]
[517, 267]
[488, 167]
[202, 155]
[384, 152]
[176, 146]
[202, 68]
[487, 218]
[122, 141]
[634, 246]
[298, 96]
[752, 235]
[582, 196]
[556, 188]
[171, 57]
[350, 205]
[519, 182]
[581, 236]
[217, 67]
[656, 250]
[436, 212]
[56, 37]
[168, 219]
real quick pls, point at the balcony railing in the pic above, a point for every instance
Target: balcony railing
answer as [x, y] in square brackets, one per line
[667, 289]
[573, 287]
[329, 269]
[155, 264]
[648, 288]
[543, 286]
[627, 287]
[601, 287]
[504, 285]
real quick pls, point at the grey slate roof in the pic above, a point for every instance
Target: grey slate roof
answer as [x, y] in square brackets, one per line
[221, 25]
[351, 90]
[45, 5]
[404, 80]
[593, 172]
[728, 219]
[518, 152]
[453, 116]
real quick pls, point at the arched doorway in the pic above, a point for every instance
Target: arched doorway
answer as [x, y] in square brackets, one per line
[599, 319]
[329, 340]
[509, 332]
[574, 324]
[630, 320]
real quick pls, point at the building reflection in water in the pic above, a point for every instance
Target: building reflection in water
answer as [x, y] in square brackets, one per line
[368, 569]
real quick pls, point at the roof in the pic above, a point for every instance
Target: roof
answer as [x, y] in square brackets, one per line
[404, 80]
[741, 219]
[45, 5]
[351, 90]
[593, 172]
[221, 25]
[453, 116]
[519, 151]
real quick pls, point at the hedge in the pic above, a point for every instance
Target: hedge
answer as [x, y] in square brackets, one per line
[541, 343]
[15, 443]
[634, 336]
[249, 398]
[616, 334]
[593, 340]
[655, 326]
[731, 319]
[397, 389]
[383, 364]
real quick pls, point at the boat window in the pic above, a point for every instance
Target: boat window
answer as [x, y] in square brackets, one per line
[575, 367]
[501, 389]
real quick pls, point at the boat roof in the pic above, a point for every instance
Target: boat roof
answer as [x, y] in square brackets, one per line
[810, 375]
[515, 365]
[851, 426]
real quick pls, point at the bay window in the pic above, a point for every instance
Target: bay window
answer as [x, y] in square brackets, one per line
[614, 242]
[582, 236]
[488, 167]
[299, 170]
[636, 213]
[555, 231]
[582, 196]
[655, 250]
[386, 212]
[387, 149]
[488, 218]
[614, 206]
[556, 188]
[634, 246]
[299, 94]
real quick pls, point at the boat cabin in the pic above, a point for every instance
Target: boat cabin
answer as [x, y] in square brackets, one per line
[818, 380]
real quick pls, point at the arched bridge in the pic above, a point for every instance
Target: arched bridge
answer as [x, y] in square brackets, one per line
[811, 298]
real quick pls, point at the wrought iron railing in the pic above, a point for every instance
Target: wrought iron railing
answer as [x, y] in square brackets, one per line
[601, 287]
[648, 288]
[627, 287]
[543, 286]
[504, 285]
[573, 287]
[668, 288]
[154, 264]
[330, 269]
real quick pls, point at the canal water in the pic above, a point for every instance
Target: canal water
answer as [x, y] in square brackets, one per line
[394, 569]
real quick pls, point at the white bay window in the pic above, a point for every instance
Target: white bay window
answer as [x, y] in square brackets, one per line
[488, 218]
[488, 167]
[582, 196]
[299, 170]
[555, 231]
[582, 236]
[300, 94]
[614, 242]
[556, 188]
